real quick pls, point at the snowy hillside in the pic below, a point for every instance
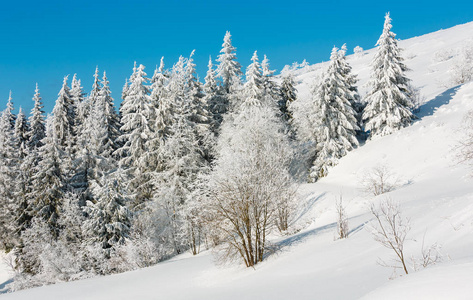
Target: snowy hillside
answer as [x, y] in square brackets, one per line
[434, 191]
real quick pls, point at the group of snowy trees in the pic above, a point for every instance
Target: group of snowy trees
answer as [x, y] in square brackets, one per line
[91, 190]
[181, 165]
[334, 117]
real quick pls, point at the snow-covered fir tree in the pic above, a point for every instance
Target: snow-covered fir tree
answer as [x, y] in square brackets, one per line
[288, 96]
[388, 102]
[333, 119]
[8, 175]
[160, 102]
[63, 121]
[22, 134]
[216, 103]
[272, 90]
[9, 111]
[37, 123]
[109, 220]
[199, 116]
[229, 71]
[253, 89]
[50, 178]
[351, 80]
[136, 111]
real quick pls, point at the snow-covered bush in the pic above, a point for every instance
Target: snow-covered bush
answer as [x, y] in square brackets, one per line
[378, 180]
[465, 144]
[358, 52]
[462, 69]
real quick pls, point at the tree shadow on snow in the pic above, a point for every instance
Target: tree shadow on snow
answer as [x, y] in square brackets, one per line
[295, 239]
[428, 108]
[3, 286]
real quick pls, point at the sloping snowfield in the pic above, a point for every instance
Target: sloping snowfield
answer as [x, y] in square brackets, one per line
[434, 191]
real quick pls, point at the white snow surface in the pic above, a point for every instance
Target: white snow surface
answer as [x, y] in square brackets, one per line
[434, 191]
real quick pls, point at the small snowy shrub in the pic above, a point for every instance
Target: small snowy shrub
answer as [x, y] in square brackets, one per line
[378, 180]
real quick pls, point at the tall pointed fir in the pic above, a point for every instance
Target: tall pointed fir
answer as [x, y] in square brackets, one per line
[271, 88]
[215, 101]
[21, 134]
[8, 176]
[199, 116]
[389, 100]
[136, 111]
[253, 94]
[27, 169]
[63, 121]
[37, 123]
[77, 96]
[351, 79]
[160, 102]
[50, 178]
[24, 165]
[333, 119]
[111, 118]
[288, 96]
[9, 112]
[229, 71]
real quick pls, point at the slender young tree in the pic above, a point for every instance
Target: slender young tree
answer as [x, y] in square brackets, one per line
[389, 101]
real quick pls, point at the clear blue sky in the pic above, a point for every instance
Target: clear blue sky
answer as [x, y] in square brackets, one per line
[42, 41]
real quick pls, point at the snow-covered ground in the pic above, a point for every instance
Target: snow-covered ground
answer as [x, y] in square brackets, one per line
[435, 192]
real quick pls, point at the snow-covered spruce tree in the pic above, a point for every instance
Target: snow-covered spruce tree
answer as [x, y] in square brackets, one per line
[136, 111]
[182, 162]
[27, 168]
[229, 71]
[250, 181]
[160, 101]
[8, 176]
[109, 220]
[111, 118]
[37, 123]
[351, 80]
[9, 112]
[288, 96]
[50, 178]
[22, 184]
[217, 104]
[388, 102]
[253, 94]
[21, 134]
[272, 89]
[99, 133]
[333, 119]
[199, 117]
[63, 120]
[77, 96]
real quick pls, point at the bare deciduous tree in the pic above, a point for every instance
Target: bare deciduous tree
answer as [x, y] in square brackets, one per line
[342, 220]
[390, 230]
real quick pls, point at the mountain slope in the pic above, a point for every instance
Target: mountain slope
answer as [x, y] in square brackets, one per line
[434, 191]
